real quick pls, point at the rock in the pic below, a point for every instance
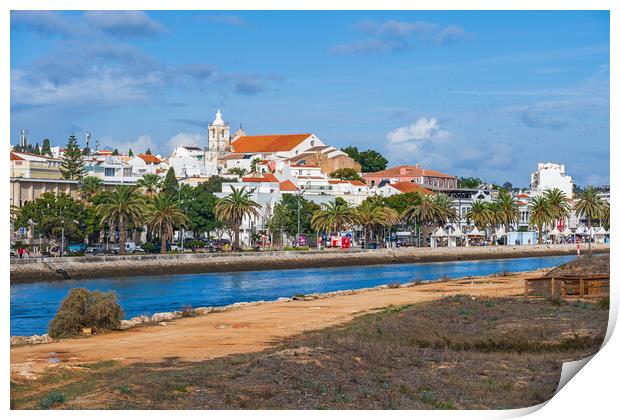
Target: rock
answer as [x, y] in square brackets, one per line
[163, 316]
[19, 339]
[203, 310]
[142, 319]
[163, 324]
[40, 339]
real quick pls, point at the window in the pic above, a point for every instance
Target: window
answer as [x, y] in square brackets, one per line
[312, 143]
[109, 172]
[126, 172]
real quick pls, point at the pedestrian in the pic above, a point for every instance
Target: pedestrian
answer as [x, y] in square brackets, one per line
[20, 251]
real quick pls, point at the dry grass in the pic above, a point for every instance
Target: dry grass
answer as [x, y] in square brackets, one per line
[456, 353]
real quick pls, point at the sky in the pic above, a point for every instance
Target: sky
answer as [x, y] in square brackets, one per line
[484, 94]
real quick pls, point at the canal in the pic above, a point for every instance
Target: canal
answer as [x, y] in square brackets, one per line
[33, 305]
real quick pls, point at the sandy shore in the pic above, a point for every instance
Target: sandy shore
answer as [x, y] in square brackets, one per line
[245, 329]
[45, 269]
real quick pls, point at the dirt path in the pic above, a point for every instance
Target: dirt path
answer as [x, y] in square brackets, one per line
[242, 330]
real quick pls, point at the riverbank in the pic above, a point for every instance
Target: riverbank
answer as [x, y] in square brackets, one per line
[413, 347]
[47, 269]
[246, 328]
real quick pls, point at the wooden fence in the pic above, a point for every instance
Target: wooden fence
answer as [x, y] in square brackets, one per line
[587, 287]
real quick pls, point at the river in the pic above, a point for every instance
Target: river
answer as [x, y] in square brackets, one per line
[33, 305]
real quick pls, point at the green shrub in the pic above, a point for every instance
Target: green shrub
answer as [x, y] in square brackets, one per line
[82, 308]
[148, 247]
[194, 243]
[52, 399]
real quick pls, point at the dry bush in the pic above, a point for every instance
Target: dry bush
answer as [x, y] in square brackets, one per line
[82, 308]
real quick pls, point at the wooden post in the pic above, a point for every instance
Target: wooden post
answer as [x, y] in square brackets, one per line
[552, 288]
[581, 287]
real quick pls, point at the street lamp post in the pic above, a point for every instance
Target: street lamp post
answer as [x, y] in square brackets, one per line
[62, 240]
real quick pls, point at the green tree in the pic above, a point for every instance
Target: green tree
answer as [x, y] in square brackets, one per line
[238, 171]
[149, 184]
[507, 208]
[163, 215]
[373, 213]
[479, 214]
[90, 186]
[540, 214]
[49, 213]
[148, 151]
[370, 160]
[121, 206]
[401, 202]
[72, 166]
[557, 202]
[333, 217]
[234, 207]
[115, 152]
[280, 221]
[86, 151]
[346, 174]
[46, 149]
[198, 204]
[589, 205]
[290, 203]
[130, 153]
[170, 185]
[37, 150]
[426, 212]
[470, 182]
[254, 165]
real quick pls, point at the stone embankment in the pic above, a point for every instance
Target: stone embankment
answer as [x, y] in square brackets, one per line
[45, 269]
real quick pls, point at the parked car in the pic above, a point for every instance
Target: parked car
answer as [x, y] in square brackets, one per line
[95, 249]
[130, 248]
[76, 248]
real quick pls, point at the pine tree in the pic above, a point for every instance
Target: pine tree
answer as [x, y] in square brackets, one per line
[130, 152]
[37, 150]
[115, 152]
[170, 185]
[86, 151]
[46, 149]
[148, 151]
[72, 166]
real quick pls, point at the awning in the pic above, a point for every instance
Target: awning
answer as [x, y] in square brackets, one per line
[475, 232]
[440, 233]
[500, 232]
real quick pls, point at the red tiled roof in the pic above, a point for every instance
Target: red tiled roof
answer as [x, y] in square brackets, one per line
[358, 183]
[408, 171]
[270, 143]
[149, 158]
[409, 187]
[522, 196]
[288, 185]
[263, 178]
[14, 156]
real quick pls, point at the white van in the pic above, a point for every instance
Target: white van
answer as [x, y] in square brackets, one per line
[130, 248]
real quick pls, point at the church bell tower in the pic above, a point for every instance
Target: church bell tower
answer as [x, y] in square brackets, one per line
[219, 137]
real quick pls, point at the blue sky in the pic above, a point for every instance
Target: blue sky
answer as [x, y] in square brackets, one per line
[485, 94]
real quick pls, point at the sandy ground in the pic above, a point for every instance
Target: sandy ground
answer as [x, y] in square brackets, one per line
[246, 329]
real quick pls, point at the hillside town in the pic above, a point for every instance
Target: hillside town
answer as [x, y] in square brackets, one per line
[298, 192]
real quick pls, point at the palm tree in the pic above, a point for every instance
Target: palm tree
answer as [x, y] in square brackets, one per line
[332, 217]
[150, 184]
[446, 212]
[479, 214]
[122, 205]
[539, 214]
[238, 171]
[508, 209]
[234, 207]
[557, 204]
[605, 217]
[372, 213]
[590, 206]
[493, 216]
[90, 186]
[254, 165]
[163, 215]
[425, 212]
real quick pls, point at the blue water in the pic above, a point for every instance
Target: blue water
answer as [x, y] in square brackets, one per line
[33, 305]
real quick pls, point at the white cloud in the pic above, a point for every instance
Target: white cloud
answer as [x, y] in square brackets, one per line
[424, 129]
[187, 139]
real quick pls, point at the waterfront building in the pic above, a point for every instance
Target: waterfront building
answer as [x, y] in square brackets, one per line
[428, 178]
[551, 175]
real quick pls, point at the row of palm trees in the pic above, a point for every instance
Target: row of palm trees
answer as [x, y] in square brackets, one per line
[125, 205]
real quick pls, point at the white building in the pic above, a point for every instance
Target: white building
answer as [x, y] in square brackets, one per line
[551, 175]
[192, 161]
